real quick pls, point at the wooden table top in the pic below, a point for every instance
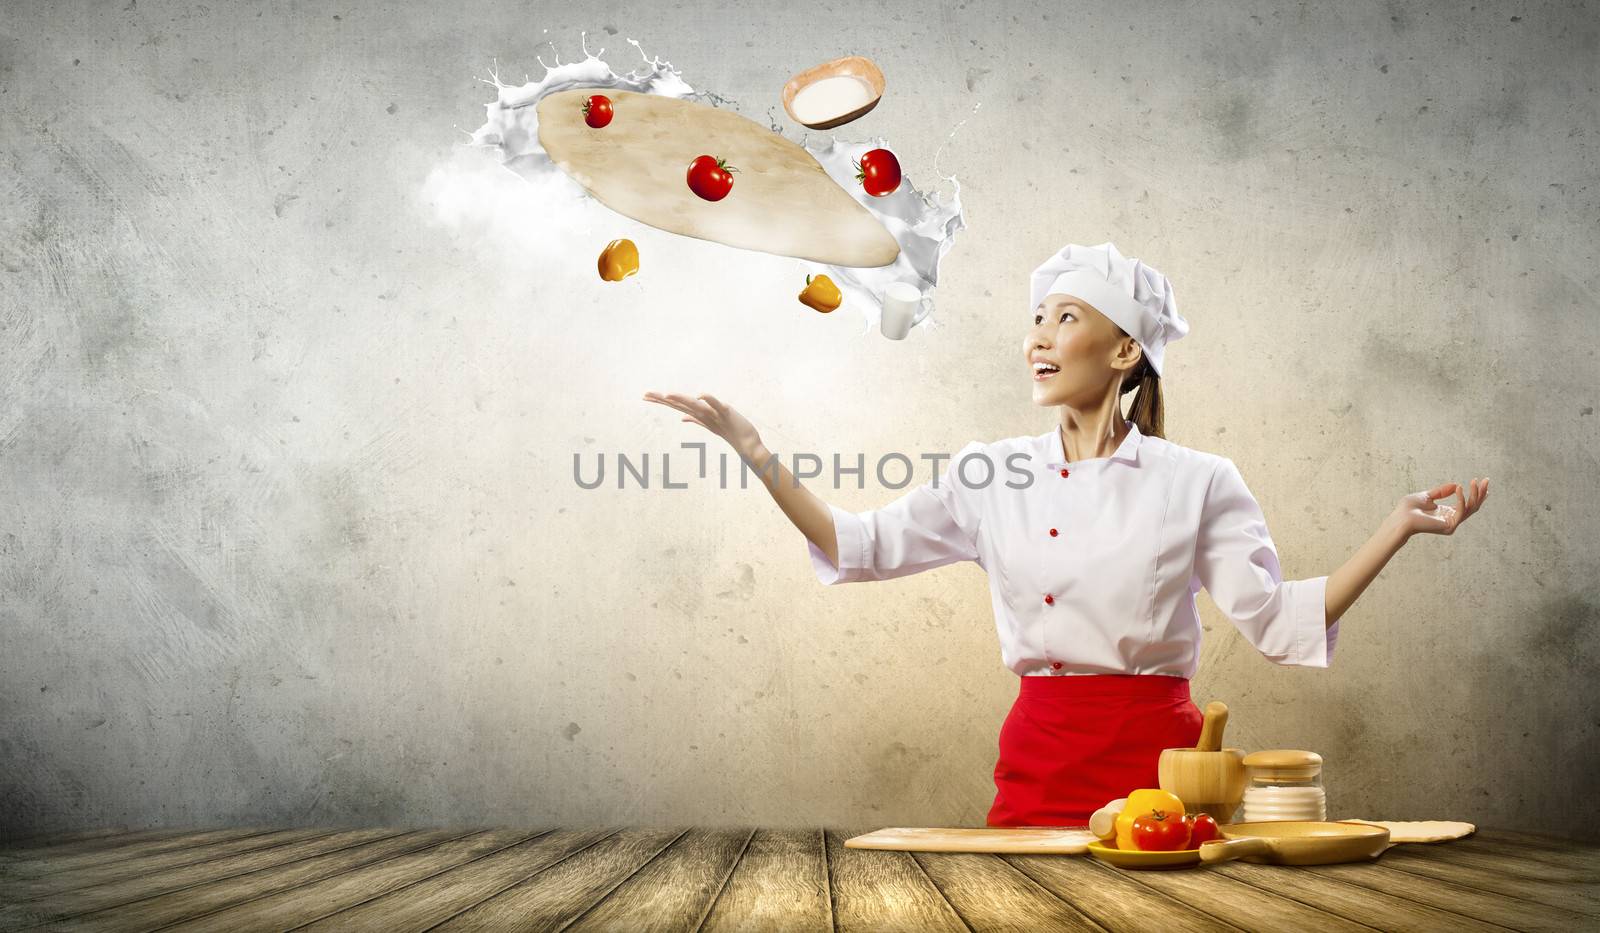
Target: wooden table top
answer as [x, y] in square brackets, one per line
[755, 879]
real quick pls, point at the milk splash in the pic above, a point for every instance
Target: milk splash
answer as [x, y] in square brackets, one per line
[921, 223]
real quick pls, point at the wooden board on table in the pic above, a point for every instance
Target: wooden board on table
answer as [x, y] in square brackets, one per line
[1007, 840]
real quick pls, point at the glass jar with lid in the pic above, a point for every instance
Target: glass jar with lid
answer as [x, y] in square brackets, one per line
[1284, 784]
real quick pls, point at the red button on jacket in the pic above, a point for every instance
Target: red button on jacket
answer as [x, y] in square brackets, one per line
[1063, 473]
[1053, 532]
[1048, 599]
[1055, 665]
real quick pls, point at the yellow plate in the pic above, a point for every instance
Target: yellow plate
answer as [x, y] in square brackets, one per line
[1134, 858]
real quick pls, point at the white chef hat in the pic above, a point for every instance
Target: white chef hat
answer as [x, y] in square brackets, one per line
[1130, 293]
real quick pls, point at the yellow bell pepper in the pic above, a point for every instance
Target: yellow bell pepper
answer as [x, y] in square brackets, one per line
[820, 293]
[619, 260]
[1140, 803]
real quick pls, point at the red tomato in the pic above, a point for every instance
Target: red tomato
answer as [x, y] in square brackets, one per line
[1202, 828]
[1160, 831]
[597, 111]
[709, 178]
[879, 172]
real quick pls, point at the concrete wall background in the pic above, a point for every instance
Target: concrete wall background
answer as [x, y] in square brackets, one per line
[288, 530]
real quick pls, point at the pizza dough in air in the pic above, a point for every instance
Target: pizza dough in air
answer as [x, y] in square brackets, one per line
[782, 201]
[1422, 830]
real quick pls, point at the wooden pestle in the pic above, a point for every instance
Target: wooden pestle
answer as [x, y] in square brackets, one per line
[1207, 778]
[1216, 719]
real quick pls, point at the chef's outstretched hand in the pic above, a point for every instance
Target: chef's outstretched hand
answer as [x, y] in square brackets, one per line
[715, 416]
[1420, 513]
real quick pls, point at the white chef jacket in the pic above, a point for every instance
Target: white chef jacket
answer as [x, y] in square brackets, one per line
[1094, 565]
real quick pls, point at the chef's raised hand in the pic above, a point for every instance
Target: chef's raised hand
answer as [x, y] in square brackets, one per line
[1420, 512]
[715, 416]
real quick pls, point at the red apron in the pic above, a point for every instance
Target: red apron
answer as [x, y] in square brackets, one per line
[1072, 744]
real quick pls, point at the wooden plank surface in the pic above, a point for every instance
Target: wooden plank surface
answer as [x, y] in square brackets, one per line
[1491, 908]
[42, 841]
[781, 883]
[394, 881]
[430, 901]
[201, 891]
[991, 894]
[1561, 852]
[296, 859]
[877, 890]
[55, 863]
[1352, 901]
[675, 890]
[1503, 860]
[1539, 840]
[280, 907]
[1233, 901]
[552, 898]
[1471, 872]
[66, 894]
[1114, 899]
[46, 883]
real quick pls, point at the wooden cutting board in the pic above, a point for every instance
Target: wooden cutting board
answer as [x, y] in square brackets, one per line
[1018, 841]
[782, 202]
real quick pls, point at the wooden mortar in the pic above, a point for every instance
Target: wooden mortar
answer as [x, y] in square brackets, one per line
[1207, 778]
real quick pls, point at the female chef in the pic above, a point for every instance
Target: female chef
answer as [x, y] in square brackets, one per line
[1095, 541]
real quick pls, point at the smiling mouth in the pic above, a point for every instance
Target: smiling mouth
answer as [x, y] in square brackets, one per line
[1041, 372]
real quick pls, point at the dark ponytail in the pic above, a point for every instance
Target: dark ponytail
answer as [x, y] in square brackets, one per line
[1146, 411]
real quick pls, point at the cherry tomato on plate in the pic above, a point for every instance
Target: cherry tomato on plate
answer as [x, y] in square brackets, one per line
[597, 110]
[1202, 828]
[879, 172]
[708, 177]
[1160, 831]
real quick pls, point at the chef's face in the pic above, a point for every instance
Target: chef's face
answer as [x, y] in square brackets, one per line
[1091, 352]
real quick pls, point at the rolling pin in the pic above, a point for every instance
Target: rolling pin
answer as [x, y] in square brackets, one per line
[1207, 778]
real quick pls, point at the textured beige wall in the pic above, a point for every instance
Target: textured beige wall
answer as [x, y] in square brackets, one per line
[288, 527]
